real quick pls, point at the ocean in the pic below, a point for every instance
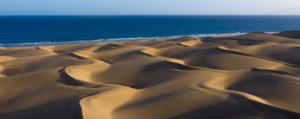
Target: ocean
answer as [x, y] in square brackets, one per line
[48, 30]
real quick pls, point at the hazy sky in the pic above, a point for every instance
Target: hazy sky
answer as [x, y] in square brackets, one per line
[149, 7]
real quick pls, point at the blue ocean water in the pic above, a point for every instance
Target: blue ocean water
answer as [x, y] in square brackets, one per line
[46, 30]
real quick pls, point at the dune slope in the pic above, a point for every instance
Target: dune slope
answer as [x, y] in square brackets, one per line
[251, 76]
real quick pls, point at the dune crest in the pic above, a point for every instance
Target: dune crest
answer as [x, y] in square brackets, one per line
[251, 76]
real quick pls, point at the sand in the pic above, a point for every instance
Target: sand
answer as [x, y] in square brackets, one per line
[252, 76]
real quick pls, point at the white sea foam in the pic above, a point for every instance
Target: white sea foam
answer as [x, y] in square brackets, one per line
[116, 39]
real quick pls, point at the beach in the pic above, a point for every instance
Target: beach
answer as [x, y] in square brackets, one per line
[250, 76]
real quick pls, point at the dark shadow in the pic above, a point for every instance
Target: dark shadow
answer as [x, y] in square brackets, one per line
[238, 107]
[109, 46]
[121, 84]
[184, 38]
[166, 65]
[64, 109]
[12, 71]
[232, 41]
[64, 78]
[288, 34]
[61, 51]
[74, 55]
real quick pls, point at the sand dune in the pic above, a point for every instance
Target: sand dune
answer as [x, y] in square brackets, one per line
[251, 76]
[289, 34]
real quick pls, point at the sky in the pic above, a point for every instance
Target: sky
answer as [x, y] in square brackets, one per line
[149, 7]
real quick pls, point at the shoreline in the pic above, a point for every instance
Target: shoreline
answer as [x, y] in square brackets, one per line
[117, 40]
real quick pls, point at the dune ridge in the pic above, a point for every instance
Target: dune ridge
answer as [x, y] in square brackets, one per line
[251, 76]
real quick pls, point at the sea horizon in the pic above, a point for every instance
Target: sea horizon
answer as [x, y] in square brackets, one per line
[32, 30]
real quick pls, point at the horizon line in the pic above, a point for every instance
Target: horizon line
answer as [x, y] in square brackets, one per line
[168, 15]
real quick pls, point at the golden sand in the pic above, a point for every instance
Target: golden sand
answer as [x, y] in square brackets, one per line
[252, 76]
